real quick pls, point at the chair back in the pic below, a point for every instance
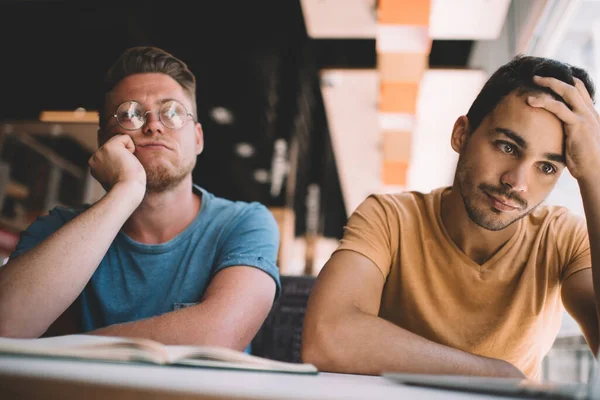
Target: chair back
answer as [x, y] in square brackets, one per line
[280, 337]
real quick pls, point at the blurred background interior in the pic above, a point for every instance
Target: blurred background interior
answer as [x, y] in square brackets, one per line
[307, 106]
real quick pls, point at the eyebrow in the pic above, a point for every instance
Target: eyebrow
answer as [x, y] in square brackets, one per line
[555, 157]
[513, 135]
[163, 101]
[523, 144]
[158, 102]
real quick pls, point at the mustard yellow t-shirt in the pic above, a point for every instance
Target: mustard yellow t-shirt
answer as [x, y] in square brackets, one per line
[508, 308]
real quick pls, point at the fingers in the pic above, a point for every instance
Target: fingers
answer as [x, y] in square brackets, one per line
[569, 93]
[583, 92]
[117, 140]
[556, 107]
[586, 97]
[129, 145]
[123, 140]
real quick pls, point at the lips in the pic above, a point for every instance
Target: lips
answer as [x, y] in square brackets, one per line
[501, 205]
[151, 145]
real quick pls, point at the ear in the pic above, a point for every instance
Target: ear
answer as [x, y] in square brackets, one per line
[199, 133]
[460, 133]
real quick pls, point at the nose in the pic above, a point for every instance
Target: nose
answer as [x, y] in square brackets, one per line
[152, 124]
[516, 178]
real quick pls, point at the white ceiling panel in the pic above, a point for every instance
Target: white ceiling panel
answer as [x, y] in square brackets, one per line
[340, 18]
[450, 19]
[467, 19]
[445, 94]
[350, 98]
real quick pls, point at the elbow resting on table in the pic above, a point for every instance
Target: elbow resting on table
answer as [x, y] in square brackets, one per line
[15, 323]
[11, 328]
[322, 348]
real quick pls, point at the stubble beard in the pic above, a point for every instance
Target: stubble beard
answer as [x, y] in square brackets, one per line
[161, 177]
[487, 218]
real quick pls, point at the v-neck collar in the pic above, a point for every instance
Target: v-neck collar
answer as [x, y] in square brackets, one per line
[437, 208]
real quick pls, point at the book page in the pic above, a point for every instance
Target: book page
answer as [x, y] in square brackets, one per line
[275, 367]
[88, 346]
[108, 348]
[227, 358]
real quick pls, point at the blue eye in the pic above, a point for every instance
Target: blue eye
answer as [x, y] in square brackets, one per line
[129, 111]
[170, 112]
[127, 116]
[134, 114]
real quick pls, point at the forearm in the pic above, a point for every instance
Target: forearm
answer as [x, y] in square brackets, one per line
[590, 194]
[360, 343]
[36, 287]
[195, 325]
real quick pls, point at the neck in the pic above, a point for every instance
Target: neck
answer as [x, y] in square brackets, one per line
[162, 216]
[477, 243]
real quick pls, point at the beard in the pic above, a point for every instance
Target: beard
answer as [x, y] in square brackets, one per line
[486, 216]
[161, 177]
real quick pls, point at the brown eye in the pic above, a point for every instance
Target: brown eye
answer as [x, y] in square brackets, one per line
[507, 148]
[548, 169]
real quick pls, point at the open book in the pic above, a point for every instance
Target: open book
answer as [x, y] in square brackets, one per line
[121, 349]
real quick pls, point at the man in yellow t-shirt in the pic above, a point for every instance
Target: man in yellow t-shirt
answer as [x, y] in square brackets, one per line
[471, 279]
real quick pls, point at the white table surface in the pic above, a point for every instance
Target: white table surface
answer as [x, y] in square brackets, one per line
[89, 379]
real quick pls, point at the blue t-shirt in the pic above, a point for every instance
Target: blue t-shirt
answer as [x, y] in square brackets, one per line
[136, 281]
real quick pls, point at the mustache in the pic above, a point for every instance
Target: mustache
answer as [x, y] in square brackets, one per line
[505, 193]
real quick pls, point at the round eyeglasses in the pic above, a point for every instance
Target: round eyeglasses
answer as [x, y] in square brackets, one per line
[131, 115]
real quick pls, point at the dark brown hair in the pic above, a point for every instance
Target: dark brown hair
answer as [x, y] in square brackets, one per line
[517, 76]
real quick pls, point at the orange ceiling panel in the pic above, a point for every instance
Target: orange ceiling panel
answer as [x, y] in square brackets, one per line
[403, 12]
[394, 173]
[402, 67]
[398, 97]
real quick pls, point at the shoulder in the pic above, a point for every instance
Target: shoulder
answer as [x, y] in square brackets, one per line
[44, 226]
[556, 218]
[235, 214]
[382, 215]
[233, 209]
[68, 213]
[399, 203]
[558, 226]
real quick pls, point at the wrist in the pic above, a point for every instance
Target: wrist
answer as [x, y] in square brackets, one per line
[590, 178]
[132, 190]
[496, 367]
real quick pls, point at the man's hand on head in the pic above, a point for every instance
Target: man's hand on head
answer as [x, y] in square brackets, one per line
[114, 163]
[582, 125]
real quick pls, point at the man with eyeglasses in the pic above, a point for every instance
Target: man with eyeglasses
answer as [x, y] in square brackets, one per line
[157, 257]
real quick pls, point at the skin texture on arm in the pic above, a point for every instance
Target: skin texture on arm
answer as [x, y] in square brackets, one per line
[343, 333]
[578, 298]
[590, 193]
[233, 309]
[38, 286]
[582, 144]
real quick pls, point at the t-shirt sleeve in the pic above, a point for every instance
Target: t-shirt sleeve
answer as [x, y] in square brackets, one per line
[369, 232]
[573, 242]
[252, 240]
[41, 228]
